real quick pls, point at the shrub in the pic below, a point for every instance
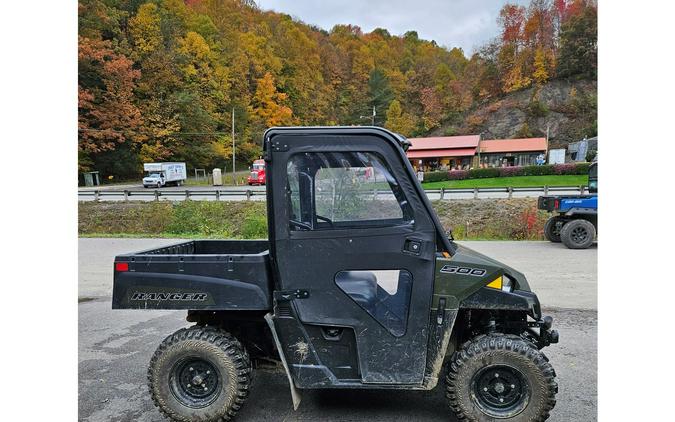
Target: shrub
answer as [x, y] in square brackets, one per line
[537, 108]
[458, 175]
[510, 171]
[435, 176]
[569, 168]
[208, 218]
[483, 173]
[538, 170]
[255, 227]
[450, 131]
[582, 168]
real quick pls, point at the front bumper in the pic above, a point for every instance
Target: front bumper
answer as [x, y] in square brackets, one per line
[542, 332]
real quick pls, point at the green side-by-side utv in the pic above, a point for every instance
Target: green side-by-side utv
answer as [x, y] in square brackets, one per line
[357, 286]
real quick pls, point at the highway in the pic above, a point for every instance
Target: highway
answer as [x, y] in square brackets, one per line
[115, 346]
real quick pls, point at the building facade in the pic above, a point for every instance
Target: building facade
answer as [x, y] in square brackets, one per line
[512, 152]
[444, 153]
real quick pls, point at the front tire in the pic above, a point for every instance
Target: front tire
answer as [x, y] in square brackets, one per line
[500, 376]
[199, 374]
[578, 234]
[552, 229]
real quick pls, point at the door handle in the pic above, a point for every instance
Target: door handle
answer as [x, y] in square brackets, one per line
[412, 246]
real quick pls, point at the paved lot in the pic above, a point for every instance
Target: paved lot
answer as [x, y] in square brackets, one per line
[115, 346]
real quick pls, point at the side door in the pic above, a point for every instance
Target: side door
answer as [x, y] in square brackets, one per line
[354, 250]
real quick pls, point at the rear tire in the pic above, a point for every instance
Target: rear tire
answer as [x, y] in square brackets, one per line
[552, 229]
[578, 234]
[500, 376]
[199, 374]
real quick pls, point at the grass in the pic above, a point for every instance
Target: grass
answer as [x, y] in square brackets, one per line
[241, 176]
[484, 219]
[515, 182]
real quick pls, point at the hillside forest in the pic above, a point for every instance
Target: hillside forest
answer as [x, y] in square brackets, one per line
[159, 79]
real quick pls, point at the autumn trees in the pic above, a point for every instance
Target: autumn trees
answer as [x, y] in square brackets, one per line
[158, 79]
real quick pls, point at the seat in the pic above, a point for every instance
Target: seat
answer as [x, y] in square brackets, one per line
[360, 286]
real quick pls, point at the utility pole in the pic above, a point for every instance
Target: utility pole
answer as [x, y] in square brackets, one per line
[480, 136]
[373, 121]
[234, 175]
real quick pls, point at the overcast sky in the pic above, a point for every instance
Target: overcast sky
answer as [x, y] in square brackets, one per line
[451, 23]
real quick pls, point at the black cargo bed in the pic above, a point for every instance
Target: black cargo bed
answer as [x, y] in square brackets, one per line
[194, 275]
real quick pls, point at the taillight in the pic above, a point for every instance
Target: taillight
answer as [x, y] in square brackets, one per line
[556, 204]
[121, 266]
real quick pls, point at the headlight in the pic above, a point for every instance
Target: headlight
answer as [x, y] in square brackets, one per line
[503, 283]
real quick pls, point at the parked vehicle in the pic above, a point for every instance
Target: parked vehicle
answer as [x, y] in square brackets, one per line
[162, 174]
[257, 176]
[575, 222]
[352, 289]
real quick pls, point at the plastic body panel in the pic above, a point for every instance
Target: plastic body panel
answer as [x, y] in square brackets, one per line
[196, 275]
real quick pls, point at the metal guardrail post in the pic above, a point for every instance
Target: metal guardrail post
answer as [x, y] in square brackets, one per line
[217, 195]
[96, 195]
[156, 195]
[545, 189]
[187, 194]
[581, 189]
[126, 195]
[442, 193]
[248, 194]
[475, 193]
[510, 190]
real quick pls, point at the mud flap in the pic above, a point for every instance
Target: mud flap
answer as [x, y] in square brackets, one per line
[295, 394]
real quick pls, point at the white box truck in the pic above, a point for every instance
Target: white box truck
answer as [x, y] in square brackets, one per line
[162, 174]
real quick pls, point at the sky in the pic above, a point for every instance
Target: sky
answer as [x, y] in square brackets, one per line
[451, 23]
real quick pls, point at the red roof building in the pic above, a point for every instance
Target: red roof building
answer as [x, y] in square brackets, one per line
[464, 152]
[512, 152]
[443, 151]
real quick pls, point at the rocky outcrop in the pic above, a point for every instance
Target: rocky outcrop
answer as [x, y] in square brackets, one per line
[567, 108]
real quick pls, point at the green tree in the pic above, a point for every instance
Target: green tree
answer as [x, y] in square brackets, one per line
[398, 121]
[379, 91]
[579, 45]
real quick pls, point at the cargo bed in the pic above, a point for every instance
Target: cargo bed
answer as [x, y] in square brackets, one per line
[195, 275]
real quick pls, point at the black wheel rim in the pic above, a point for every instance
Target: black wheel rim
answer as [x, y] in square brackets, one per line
[500, 391]
[579, 235]
[195, 382]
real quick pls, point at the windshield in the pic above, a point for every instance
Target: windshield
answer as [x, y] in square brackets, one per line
[153, 175]
[258, 167]
[593, 171]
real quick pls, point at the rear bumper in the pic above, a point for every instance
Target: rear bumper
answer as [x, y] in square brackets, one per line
[546, 203]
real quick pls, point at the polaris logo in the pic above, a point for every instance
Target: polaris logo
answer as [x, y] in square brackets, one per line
[169, 296]
[453, 269]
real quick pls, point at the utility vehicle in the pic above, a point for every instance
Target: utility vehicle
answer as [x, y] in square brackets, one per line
[357, 286]
[575, 222]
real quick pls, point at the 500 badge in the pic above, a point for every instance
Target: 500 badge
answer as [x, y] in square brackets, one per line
[453, 269]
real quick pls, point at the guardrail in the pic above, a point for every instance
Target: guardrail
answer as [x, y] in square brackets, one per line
[249, 194]
[509, 191]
